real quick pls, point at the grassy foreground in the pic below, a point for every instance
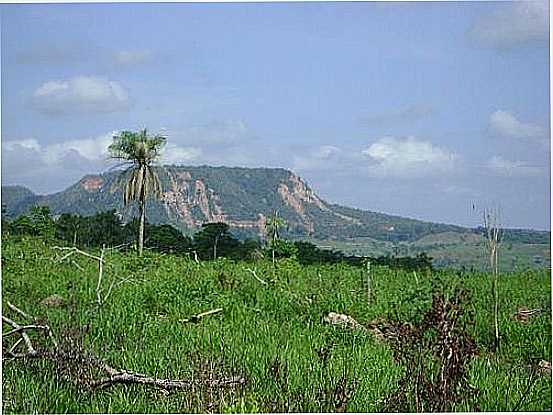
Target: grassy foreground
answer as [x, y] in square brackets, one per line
[273, 335]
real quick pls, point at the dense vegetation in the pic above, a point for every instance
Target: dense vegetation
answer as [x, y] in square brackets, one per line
[212, 241]
[272, 333]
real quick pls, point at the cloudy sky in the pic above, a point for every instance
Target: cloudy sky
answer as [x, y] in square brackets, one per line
[418, 109]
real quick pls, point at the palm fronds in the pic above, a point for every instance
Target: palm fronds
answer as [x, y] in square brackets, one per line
[138, 152]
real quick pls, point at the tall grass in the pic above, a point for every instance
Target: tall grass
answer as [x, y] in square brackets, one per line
[272, 334]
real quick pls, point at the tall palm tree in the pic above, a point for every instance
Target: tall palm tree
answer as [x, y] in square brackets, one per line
[139, 152]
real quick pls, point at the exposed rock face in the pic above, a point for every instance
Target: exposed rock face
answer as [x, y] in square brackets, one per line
[298, 195]
[189, 196]
[186, 193]
[92, 184]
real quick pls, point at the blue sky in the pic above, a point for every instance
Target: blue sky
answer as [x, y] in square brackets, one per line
[418, 109]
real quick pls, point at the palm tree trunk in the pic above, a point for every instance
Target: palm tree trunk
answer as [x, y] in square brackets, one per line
[215, 247]
[141, 229]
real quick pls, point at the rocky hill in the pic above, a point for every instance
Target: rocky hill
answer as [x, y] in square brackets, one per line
[242, 197]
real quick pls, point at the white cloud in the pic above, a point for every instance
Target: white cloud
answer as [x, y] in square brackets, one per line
[132, 57]
[505, 124]
[48, 167]
[81, 94]
[317, 159]
[512, 24]
[173, 154]
[508, 168]
[27, 144]
[91, 149]
[217, 133]
[408, 157]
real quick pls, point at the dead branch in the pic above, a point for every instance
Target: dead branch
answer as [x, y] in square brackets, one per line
[30, 349]
[19, 311]
[197, 317]
[252, 271]
[101, 262]
[23, 328]
[493, 230]
[165, 384]
[73, 250]
[77, 265]
[100, 271]
[75, 356]
[524, 315]
[369, 283]
[116, 284]
[118, 247]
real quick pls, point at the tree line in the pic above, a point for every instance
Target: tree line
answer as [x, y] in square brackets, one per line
[211, 241]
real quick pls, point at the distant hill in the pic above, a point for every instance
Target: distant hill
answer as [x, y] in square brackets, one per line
[245, 197]
[242, 197]
[17, 199]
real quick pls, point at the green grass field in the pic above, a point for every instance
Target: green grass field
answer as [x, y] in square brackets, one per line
[452, 250]
[272, 334]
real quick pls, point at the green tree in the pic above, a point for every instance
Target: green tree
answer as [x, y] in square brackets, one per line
[68, 227]
[139, 152]
[165, 238]
[215, 239]
[6, 225]
[37, 223]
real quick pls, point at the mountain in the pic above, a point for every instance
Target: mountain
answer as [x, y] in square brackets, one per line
[242, 197]
[245, 197]
[17, 199]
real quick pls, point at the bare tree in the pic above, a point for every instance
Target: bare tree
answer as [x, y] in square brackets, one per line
[492, 226]
[274, 223]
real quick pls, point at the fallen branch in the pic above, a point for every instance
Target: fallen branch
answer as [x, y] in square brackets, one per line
[523, 314]
[252, 271]
[19, 311]
[79, 367]
[23, 328]
[77, 265]
[118, 247]
[73, 250]
[101, 262]
[31, 351]
[197, 317]
[165, 384]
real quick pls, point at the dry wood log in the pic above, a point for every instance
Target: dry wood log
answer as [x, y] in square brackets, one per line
[166, 384]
